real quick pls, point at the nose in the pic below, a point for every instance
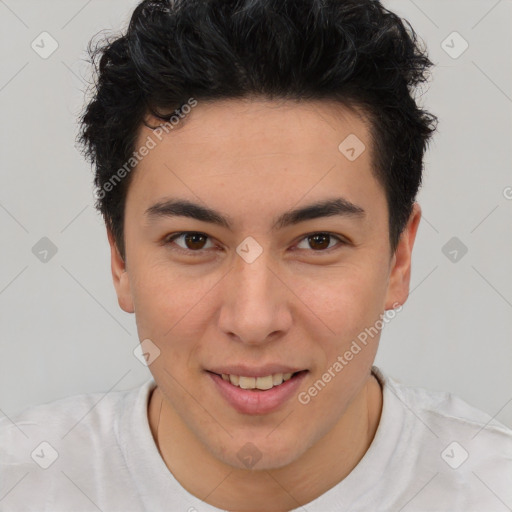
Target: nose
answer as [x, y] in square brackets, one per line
[255, 308]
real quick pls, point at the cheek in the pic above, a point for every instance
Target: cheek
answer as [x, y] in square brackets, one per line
[344, 301]
[167, 302]
[349, 305]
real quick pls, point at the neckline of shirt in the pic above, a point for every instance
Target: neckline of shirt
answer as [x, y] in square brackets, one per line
[157, 486]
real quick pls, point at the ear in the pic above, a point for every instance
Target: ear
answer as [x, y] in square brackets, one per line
[398, 285]
[120, 276]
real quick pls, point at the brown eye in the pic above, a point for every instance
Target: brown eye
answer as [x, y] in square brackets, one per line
[190, 241]
[319, 242]
[194, 241]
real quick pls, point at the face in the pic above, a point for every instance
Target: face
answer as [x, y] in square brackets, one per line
[255, 289]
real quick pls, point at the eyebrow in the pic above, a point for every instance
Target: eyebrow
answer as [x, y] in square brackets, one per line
[185, 208]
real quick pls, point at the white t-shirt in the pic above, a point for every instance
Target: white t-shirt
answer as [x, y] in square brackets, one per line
[431, 452]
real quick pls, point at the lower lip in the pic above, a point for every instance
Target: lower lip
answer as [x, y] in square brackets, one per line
[248, 401]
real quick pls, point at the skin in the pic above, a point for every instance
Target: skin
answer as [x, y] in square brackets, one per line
[293, 305]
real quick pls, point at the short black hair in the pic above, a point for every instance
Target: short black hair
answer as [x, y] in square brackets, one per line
[355, 52]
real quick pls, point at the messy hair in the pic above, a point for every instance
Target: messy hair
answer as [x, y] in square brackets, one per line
[355, 52]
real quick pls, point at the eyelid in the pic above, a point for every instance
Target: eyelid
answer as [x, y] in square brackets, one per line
[170, 238]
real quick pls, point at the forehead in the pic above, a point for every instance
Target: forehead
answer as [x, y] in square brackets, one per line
[253, 127]
[272, 152]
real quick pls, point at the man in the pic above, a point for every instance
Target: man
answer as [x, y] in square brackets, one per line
[257, 164]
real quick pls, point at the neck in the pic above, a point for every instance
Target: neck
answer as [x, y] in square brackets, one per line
[278, 490]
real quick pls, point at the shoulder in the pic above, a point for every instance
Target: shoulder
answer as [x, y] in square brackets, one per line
[46, 448]
[462, 453]
[60, 418]
[446, 411]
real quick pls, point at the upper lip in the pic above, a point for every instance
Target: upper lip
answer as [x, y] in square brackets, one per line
[260, 371]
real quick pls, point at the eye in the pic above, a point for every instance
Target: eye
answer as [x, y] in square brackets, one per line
[196, 242]
[320, 242]
[192, 241]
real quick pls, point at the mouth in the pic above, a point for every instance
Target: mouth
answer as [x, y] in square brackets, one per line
[257, 395]
[258, 383]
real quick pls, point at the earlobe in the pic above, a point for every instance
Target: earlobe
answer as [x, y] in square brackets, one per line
[399, 279]
[120, 276]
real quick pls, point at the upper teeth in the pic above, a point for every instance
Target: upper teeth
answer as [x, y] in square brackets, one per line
[263, 383]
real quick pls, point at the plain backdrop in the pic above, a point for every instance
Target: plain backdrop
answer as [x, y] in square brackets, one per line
[62, 331]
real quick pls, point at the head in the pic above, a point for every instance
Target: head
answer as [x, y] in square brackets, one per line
[293, 129]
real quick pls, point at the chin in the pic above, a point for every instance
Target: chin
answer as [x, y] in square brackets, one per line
[260, 453]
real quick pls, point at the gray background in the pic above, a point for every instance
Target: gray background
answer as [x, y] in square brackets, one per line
[62, 330]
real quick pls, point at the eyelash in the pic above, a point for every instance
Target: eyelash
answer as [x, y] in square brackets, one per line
[170, 239]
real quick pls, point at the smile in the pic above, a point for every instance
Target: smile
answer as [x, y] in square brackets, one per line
[261, 383]
[256, 395]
